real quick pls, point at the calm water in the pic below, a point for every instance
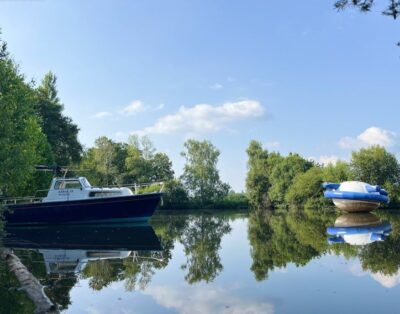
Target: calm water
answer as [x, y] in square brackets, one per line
[282, 262]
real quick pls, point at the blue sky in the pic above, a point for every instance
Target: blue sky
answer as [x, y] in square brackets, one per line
[300, 78]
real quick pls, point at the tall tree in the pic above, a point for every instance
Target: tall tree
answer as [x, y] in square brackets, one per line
[61, 132]
[257, 180]
[21, 140]
[105, 159]
[200, 173]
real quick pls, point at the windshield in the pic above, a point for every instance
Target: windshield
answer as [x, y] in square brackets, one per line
[85, 183]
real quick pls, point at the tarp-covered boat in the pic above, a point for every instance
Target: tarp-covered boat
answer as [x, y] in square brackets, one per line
[355, 196]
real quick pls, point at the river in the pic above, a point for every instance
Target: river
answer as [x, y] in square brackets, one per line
[298, 261]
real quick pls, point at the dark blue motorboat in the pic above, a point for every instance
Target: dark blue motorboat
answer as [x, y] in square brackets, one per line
[74, 200]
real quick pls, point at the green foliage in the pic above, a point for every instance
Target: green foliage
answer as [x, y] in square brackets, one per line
[338, 172]
[61, 133]
[109, 162]
[176, 195]
[200, 174]
[306, 186]
[270, 175]
[283, 171]
[21, 140]
[375, 165]
[257, 179]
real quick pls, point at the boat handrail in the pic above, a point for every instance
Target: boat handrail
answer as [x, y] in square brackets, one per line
[135, 187]
[18, 200]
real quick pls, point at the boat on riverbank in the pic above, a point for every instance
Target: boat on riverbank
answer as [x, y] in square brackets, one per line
[74, 200]
[355, 196]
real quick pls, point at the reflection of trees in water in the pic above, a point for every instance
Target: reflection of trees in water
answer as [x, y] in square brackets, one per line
[297, 236]
[202, 241]
[279, 238]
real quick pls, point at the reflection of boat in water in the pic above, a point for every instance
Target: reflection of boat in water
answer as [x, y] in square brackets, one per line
[355, 196]
[74, 200]
[358, 229]
[69, 248]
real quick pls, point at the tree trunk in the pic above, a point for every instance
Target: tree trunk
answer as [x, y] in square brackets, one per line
[29, 283]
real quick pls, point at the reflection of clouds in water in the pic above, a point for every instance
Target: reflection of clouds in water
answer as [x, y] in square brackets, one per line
[205, 299]
[387, 281]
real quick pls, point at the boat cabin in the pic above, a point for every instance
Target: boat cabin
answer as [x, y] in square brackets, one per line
[69, 189]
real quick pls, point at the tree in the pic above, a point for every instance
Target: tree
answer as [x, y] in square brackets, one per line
[61, 133]
[257, 179]
[161, 168]
[176, 196]
[143, 164]
[200, 174]
[103, 159]
[283, 170]
[21, 140]
[338, 172]
[306, 189]
[376, 166]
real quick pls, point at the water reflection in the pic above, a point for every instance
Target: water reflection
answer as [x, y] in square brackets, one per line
[358, 229]
[210, 263]
[59, 256]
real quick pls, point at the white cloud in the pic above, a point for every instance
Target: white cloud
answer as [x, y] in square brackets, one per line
[102, 114]
[204, 118]
[272, 145]
[325, 160]
[371, 136]
[386, 280]
[206, 299]
[216, 86]
[134, 108]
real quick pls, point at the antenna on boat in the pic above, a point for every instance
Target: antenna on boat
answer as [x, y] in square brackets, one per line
[56, 169]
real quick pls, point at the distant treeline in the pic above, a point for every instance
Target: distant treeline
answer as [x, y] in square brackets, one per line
[275, 181]
[34, 130]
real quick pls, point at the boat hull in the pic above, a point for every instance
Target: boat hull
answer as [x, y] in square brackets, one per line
[130, 208]
[355, 205]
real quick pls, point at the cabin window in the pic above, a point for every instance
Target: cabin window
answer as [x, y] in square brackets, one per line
[70, 184]
[85, 183]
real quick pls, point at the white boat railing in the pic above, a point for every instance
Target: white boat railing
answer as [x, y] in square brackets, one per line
[137, 188]
[20, 200]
